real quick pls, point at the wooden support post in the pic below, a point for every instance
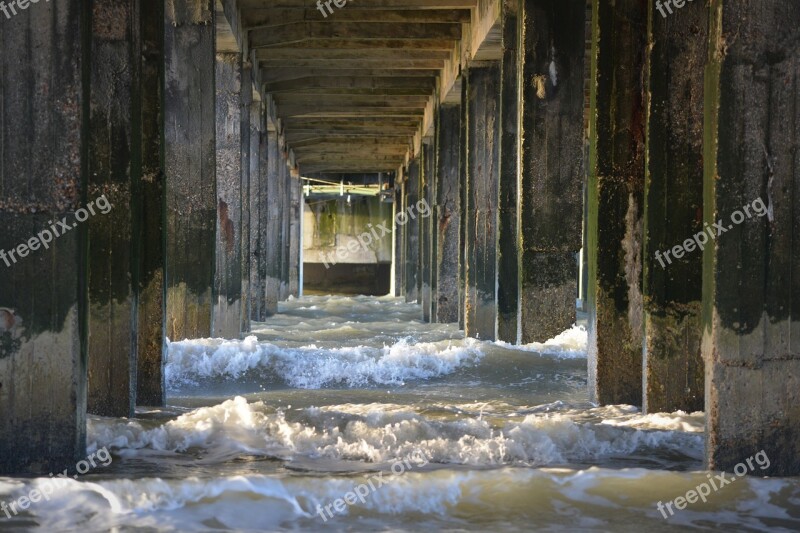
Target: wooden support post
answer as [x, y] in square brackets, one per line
[616, 185]
[551, 190]
[190, 164]
[751, 269]
[42, 303]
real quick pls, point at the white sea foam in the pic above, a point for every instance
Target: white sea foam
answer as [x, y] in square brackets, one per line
[380, 435]
[312, 367]
[570, 344]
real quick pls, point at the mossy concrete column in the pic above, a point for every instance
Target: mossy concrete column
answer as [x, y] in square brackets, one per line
[258, 214]
[448, 213]
[616, 185]
[190, 165]
[42, 286]
[551, 190]
[508, 243]
[274, 222]
[111, 147]
[673, 287]
[149, 212]
[751, 270]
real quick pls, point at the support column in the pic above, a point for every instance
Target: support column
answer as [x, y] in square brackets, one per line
[751, 271]
[426, 176]
[551, 189]
[228, 276]
[412, 231]
[245, 102]
[673, 288]
[258, 215]
[151, 389]
[42, 307]
[295, 239]
[274, 223]
[448, 213]
[463, 194]
[285, 208]
[483, 175]
[111, 146]
[508, 255]
[616, 183]
[400, 238]
[190, 164]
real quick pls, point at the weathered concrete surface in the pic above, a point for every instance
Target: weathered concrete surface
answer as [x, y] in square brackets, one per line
[258, 215]
[111, 143]
[42, 308]
[551, 188]
[426, 240]
[483, 171]
[274, 224]
[448, 213]
[228, 274]
[751, 293]
[295, 237]
[400, 198]
[150, 222]
[616, 183]
[284, 192]
[463, 184]
[190, 162]
[673, 290]
[508, 255]
[412, 283]
[245, 99]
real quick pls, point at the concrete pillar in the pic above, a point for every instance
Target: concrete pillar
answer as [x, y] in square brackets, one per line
[295, 237]
[751, 272]
[245, 102]
[42, 308]
[508, 255]
[673, 290]
[228, 275]
[258, 214]
[150, 219]
[463, 201]
[111, 144]
[425, 239]
[190, 164]
[400, 238]
[551, 190]
[412, 282]
[483, 177]
[285, 208]
[274, 223]
[616, 183]
[431, 221]
[448, 213]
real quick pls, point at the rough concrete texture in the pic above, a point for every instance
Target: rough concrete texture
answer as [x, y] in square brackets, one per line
[111, 339]
[412, 274]
[508, 256]
[274, 224]
[190, 162]
[751, 294]
[616, 184]
[448, 214]
[551, 189]
[673, 365]
[425, 240]
[42, 309]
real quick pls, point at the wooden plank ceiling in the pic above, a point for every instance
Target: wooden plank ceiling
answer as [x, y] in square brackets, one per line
[352, 87]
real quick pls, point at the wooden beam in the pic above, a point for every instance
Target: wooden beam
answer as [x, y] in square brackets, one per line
[299, 142]
[396, 62]
[263, 18]
[316, 100]
[346, 112]
[352, 84]
[294, 32]
[355, 56]
[358, 43]
[272, 75]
